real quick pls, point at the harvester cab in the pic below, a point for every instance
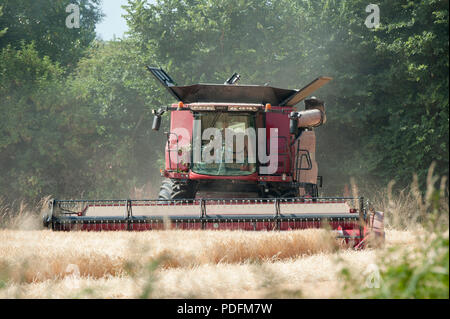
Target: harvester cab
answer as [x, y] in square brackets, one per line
[236, 157]
[231, 141]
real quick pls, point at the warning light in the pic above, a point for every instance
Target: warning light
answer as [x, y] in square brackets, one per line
[180, 105]
[268, 107]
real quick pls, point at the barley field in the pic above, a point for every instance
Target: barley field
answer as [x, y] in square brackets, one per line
[180, 264]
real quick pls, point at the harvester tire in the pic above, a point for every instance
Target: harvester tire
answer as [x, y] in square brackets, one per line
[312, 190]
[46, 221]
[174, 189]
[282, 193]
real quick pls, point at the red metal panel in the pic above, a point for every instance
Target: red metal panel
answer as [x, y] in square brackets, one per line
[279, 121]
[181, 123]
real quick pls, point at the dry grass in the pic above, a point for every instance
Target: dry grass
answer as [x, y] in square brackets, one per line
[21, 216]
[203, 264]
[313, 276]
[409, 208]
[41, 255]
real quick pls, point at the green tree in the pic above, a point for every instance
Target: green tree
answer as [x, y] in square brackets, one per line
[29, 125]
[2, 31]
[88, 135]
[389, 100]
[415, 41]
[206, 41]
[114, 84]
[44, 22]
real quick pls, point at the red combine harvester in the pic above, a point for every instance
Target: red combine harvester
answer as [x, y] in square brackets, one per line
[237, 157]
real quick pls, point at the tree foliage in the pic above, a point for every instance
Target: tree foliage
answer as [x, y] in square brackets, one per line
[113, 83]
[44, 23]
[2, 31]
[28, 128]
[85, 135]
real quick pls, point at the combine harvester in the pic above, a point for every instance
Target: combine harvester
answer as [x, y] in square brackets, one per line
[237, 157]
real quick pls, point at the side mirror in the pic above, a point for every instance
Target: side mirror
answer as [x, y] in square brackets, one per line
[157, 119]
[156, 122]
[293, 123]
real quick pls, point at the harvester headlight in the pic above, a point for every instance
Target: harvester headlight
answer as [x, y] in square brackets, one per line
[283, 176]
[202, 107]
[242, 108]
[224, 107]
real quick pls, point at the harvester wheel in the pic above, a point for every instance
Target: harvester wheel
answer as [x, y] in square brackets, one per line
[174, 189]
[46, 221]
[312, 190]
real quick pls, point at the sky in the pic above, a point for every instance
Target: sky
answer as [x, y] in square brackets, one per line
[113, 23]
